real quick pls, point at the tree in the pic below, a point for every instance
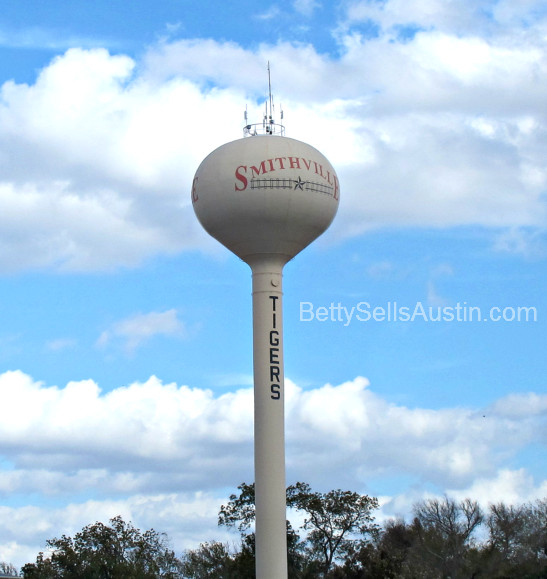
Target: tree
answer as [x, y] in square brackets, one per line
[342, 541]
[517, 544]
[387, 557]
[239, 513]
[240, 510]
[99, 551]
[506, 525]
[208, 561]
[8, 570]
[535, 538]
[331, 519]
[445, 532]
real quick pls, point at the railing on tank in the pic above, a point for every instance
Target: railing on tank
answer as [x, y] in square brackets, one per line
[264, 128]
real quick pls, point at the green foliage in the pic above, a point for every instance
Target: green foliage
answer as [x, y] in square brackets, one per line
[517, 545]
[7, 570]
[440, 542]
[339, 541]
[215, 561]
[99, 551]
[330, 520]
[208, 561]
[240, 511]
[444, 529]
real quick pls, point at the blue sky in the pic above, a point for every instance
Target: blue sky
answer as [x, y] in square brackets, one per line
[125, 335]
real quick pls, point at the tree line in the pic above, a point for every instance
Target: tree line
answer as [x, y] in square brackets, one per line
[338, 538]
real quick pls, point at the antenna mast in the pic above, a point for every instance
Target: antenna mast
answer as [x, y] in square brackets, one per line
[270, 93]
[268, 126]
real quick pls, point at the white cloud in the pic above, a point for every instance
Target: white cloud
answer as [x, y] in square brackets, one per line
[451, 445]
[190, 518]
[517, 13]
[186, 518]
[60, 344]
[306, 7]
[143, 449]
[509, 486]
[39, 38]
[444, 129]
[381, 270]
[446, 15]
[55, 224]
[272, 12]
[76, 427]
[132, 434]
[521, 405]
[433, 296]
[97, 166]
[521, 241]
[137, 329]
[513, 487]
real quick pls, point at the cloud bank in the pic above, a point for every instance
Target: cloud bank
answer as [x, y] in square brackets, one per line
[140, 450]
[430, 126]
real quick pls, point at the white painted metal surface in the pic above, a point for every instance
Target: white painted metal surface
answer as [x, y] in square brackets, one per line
[269, 423]
[266, 198]
[264, 195]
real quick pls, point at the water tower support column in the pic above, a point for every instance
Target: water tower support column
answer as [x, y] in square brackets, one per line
[269, 418]
[266, 198]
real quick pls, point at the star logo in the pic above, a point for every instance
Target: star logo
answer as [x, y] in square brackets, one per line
[299, 184]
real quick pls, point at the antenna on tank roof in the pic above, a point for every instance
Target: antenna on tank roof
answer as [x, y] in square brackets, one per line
[270, 92]
[268, 125]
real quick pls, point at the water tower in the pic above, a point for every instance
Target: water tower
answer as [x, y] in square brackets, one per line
[266, 197]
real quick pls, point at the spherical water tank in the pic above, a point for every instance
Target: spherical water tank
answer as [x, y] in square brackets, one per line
[265, 195]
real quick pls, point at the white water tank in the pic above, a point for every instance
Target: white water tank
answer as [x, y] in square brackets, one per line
[265, 195]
